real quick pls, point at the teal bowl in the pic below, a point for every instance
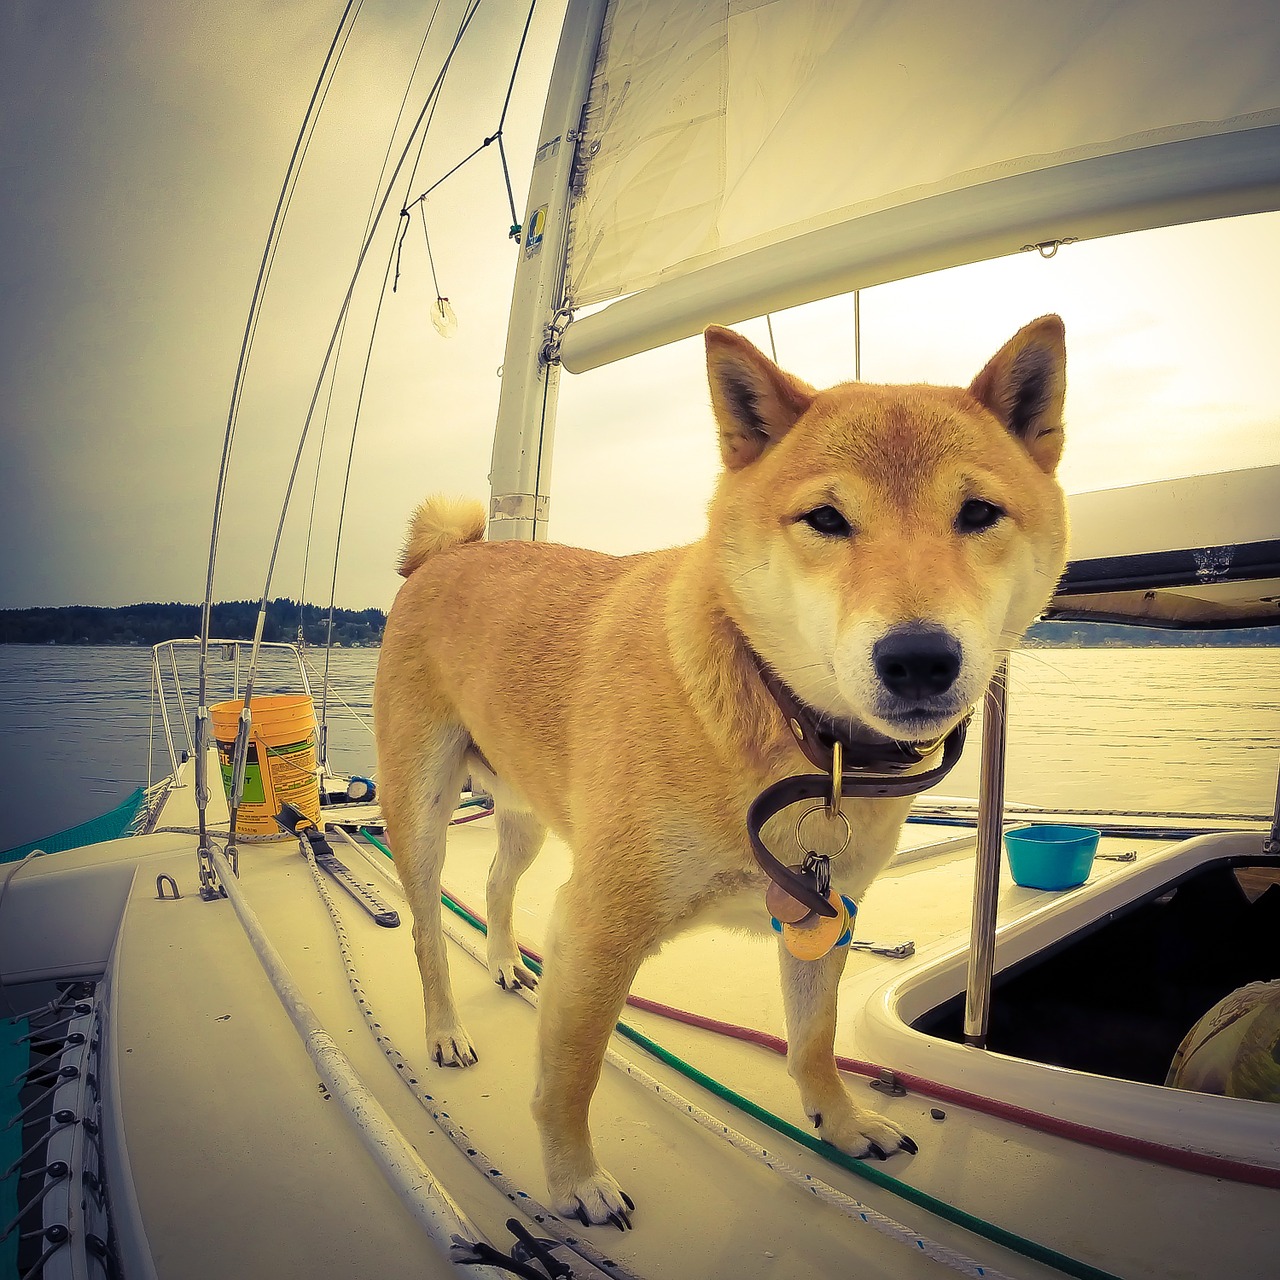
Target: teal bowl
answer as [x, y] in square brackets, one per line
[1051, 857]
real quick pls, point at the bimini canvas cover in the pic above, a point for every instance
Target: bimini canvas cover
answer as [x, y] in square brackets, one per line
[748, 155]
[1200, 552]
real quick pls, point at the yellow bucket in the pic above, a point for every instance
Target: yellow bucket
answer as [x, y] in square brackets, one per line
[281, 765]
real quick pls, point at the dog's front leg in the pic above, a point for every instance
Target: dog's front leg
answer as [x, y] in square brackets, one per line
[594, 951]
[809, 990]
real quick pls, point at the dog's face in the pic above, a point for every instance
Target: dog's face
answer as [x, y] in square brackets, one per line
[882, 545]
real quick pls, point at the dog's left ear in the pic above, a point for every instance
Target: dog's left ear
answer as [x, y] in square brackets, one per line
[1024, 385]
[755, 402]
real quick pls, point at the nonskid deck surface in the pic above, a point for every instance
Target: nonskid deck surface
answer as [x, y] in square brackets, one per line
[1114, 1212]
[223, 1107]
[230, 1108]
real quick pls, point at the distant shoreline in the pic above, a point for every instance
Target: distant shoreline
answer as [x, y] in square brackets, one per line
[143, 625]
[1111, 635]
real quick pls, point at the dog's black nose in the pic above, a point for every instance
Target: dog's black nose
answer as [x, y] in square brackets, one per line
[917, 660]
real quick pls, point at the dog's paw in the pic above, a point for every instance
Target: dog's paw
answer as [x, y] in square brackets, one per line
[451, 1046]
[511, 975]
[860, 1133]
[595, 1200]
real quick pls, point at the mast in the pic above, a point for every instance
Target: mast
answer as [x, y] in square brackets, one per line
[520, 475]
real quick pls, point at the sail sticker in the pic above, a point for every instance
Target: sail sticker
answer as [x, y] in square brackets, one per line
[535, 231]
[547, 150]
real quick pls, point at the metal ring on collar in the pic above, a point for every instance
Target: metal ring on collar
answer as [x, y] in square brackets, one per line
[823, 808]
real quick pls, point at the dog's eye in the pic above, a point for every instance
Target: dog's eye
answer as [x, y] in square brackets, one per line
[827, 521]
[977, 514]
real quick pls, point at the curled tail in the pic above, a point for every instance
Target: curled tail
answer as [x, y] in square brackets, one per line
[437, 524]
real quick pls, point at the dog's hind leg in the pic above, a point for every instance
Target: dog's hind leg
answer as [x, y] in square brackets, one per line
[417, 805]
[520, 837]
[809, 1002]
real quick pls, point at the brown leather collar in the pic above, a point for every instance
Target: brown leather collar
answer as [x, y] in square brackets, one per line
[816, 733]
[871, 769]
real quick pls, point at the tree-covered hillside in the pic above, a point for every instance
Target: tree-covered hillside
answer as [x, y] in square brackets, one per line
[148, 624]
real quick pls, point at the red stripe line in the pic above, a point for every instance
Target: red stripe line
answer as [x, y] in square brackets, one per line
[1140, 1148]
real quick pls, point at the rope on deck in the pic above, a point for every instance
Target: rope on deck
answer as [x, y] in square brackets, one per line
[852, 1208]
[426, 1200]
[545, 1218]
[845, 1204]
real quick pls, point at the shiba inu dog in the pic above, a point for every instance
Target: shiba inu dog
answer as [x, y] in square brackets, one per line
[874, 547]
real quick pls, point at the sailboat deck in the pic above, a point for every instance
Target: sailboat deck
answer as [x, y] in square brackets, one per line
[239, 1159]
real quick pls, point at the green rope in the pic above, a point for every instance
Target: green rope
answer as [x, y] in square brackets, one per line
[373, 840]
[869, 1173]
[940, 1208]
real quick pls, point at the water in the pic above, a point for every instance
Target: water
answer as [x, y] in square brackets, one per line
[1130, 729]
[79, 728]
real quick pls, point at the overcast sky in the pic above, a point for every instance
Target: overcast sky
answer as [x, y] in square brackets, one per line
[142, 146]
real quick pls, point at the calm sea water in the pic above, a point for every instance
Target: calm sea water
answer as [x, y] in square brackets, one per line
[1145, 729]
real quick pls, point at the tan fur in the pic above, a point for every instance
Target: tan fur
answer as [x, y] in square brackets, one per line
[439, 523]
[618, 705]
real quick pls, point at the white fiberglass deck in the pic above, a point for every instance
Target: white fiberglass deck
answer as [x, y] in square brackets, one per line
[240, 1160]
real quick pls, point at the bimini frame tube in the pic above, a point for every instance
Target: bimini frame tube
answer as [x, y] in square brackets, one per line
[1271, 844]
[986, 883]
[521, 472]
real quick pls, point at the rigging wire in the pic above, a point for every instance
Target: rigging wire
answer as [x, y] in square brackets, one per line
[327, 72]
[386, 160]
[284, 202]
[315, 491]
[404, 205]
[857, 335]
[435, 284]
[242, 736]
[395, 256]
[238, 770]
[496, 136]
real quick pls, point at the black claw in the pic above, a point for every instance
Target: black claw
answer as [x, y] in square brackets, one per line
[909, 1145]
[631, 1204]
[620, 1220]
[502, 981]
[878, 1151]
[581, 1214]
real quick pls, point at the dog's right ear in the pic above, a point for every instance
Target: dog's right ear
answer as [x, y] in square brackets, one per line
[755, 402]
[1024, 385]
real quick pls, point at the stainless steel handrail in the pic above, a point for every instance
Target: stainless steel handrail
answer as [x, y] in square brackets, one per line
[986, 884]
[231, 650]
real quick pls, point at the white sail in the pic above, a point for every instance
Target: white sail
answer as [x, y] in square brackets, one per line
[744, 156]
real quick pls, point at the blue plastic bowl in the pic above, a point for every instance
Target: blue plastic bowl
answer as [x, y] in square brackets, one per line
[1051, 857]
